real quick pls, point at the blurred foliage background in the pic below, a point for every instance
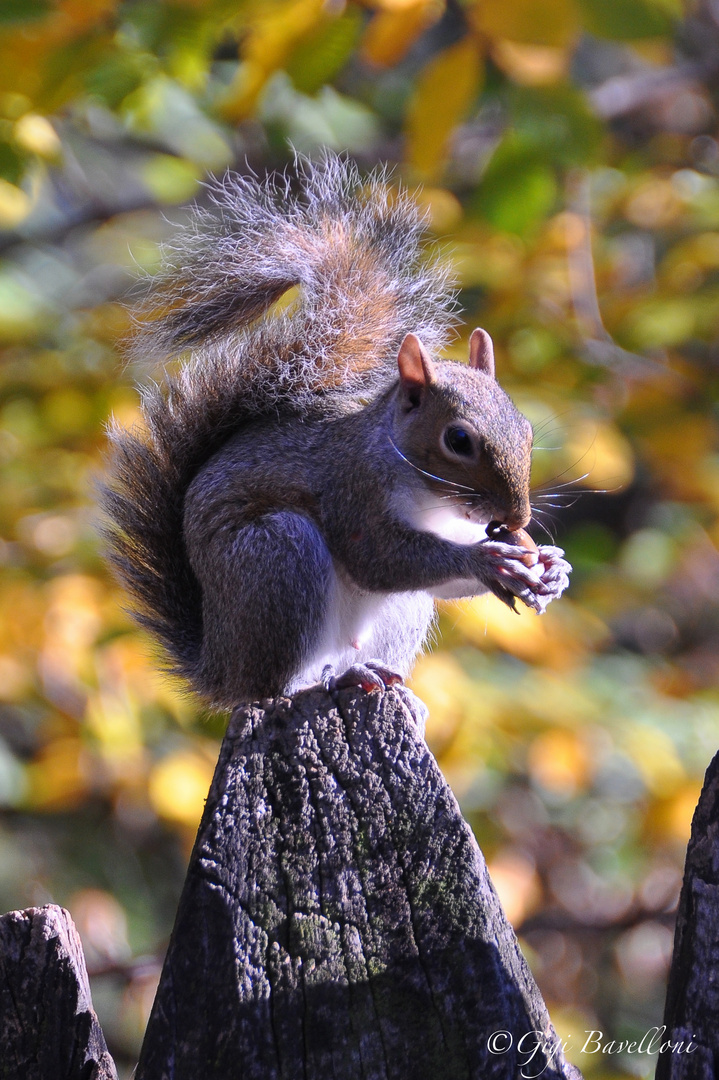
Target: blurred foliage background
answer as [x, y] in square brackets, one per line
[568, 160]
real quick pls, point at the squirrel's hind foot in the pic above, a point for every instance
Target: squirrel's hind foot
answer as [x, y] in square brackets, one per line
[373, 675]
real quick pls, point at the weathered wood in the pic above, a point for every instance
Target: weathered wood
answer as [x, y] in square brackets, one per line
[691, 1015]
[48, 1030]
[337, 920]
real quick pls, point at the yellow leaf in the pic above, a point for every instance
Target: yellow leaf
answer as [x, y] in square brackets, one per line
[395, 5]
[73, 619]
[275, 31]
[15, 205]
[114, 721]
[36, 134]
[527, 21]
[494, 261]
[515, 878]
[560, 639]
[15, 678]
[671, 818]
[559, 761]
[678, 446]
[443, 208]
[22, 616]
[445, 91]
[393, 31]
[440, 682]
[59, 776]
[488, 622]
[244, 90]
[530, 65]
[654, 204]
[170, 179]
[656, 758]
[178, 786]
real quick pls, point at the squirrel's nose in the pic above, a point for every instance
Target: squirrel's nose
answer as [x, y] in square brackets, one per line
[509, 524]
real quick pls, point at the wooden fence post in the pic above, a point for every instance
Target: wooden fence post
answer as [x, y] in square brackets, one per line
[337, 919]
[48, 1029]
[691, 1016]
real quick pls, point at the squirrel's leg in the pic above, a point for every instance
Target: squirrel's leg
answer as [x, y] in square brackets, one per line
[266, 606]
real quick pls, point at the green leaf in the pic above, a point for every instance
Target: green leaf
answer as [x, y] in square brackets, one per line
[66, 68]
[518, 189]
[327, 119]
[656, 323]
[163, 110]
[558, 123]
[19, 11]
[321, 56]
[622, 20]
[22, 312]
[171, 179]
[12, 165]
[117, 77]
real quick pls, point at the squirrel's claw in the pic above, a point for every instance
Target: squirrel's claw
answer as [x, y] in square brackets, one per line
[370, 677]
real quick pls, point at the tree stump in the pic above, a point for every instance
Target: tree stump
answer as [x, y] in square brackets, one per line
[48, 1030]
[337, 919]
[691, 1015]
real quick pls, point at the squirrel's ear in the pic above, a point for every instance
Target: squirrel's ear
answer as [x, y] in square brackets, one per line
[481, 352]
[416, 370]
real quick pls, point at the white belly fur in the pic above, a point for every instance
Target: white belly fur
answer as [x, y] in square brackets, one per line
[362, 626]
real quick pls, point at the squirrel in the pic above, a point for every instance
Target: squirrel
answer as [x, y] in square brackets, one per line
[311, 476]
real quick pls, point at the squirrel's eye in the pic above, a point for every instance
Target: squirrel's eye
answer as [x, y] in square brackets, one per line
[459, 441]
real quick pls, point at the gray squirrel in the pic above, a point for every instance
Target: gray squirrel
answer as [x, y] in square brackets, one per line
[311, 477]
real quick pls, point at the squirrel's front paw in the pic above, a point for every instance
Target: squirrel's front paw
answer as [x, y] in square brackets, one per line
[535, 577]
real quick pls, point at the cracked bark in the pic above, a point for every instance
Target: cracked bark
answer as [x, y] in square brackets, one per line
[691, 1014]
[337, 919]
[48, 1029]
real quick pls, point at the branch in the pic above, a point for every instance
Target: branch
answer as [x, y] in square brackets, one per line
[598, 345]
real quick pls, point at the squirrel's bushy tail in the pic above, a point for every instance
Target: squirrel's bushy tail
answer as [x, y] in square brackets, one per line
[353, 248]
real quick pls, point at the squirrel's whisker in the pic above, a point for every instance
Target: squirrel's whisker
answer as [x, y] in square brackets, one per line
[566, 483]
[567, 498]
[431, 476]
[544, 527]
[541, 427]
